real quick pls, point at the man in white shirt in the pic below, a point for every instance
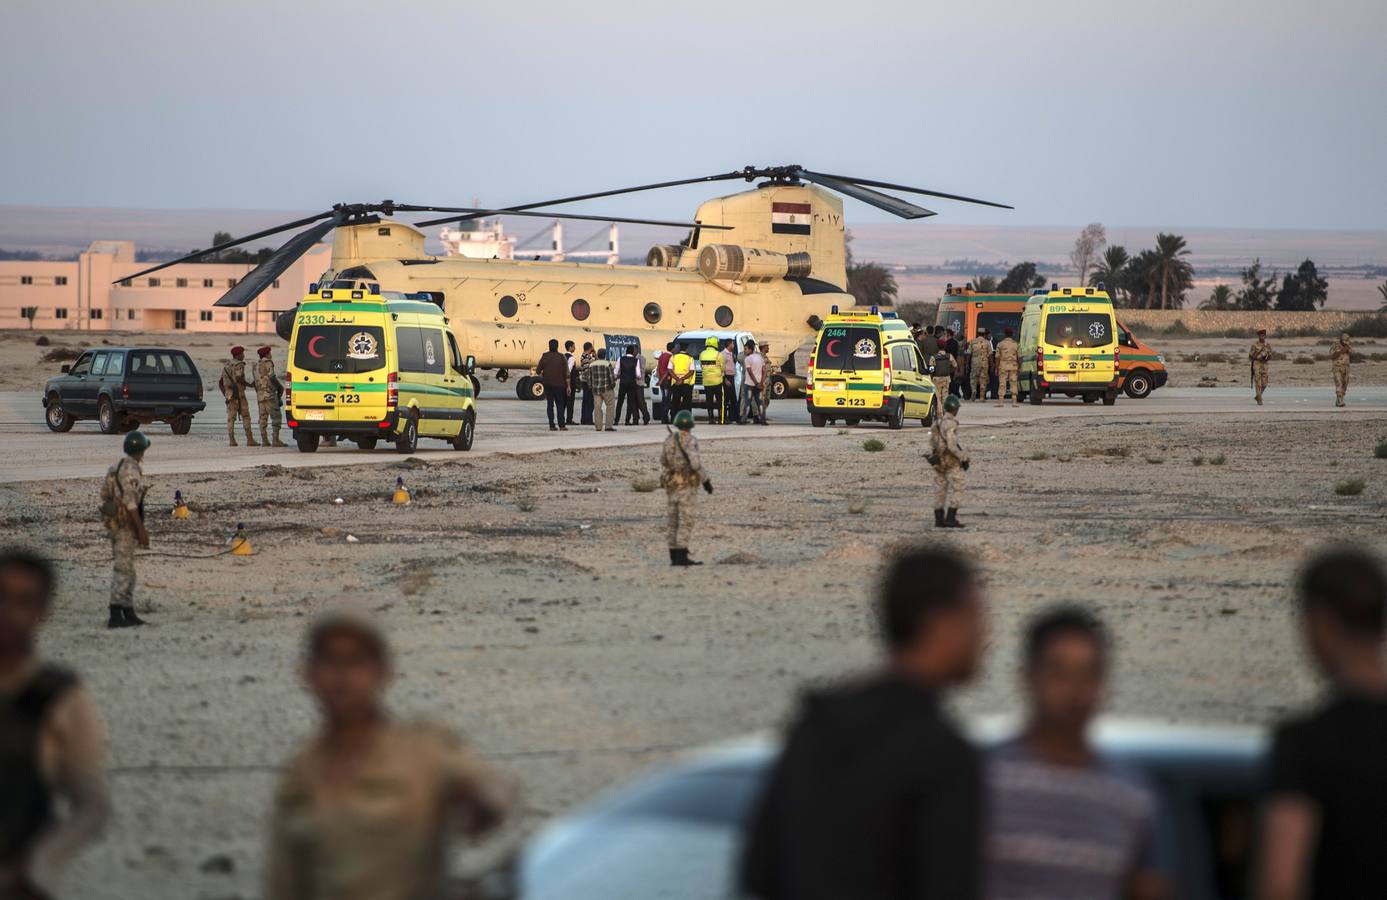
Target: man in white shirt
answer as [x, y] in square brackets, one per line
[753, 385]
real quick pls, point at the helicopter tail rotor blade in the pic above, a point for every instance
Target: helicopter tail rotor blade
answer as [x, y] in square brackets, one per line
[263, 275]
[199, 254]
[893, 205]
[902, 187]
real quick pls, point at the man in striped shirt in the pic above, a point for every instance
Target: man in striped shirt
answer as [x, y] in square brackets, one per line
[1063, 822]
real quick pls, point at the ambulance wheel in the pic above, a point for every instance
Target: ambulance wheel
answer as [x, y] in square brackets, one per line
[307, 443]
[818, 420]
[1138, 384]
[181, 424]
[928, 420]
[408, 441]
[463, 441]
[57, 418]
[366, 443]
[1110, 398]
[896, 418]
[1036, 395]
[1090, 398]
[476, 386]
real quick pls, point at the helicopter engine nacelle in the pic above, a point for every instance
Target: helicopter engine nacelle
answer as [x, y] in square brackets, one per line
[664, 256]
[734, 263]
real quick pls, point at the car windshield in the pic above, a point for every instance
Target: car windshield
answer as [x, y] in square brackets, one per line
[340, 349]
[159, 362]
[1075, 330]
[846, 348]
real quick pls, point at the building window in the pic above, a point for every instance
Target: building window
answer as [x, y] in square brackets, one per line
[125, 282]
[238, 315]
[180, 282]
[26, 279]
[231, 282]
[130, 314]
[206, 282]
[275, 284]
[180, 319]
[153, 282]
[60, 312]
[60, 280]
[204, 315]
[95, 313]
[580, 309]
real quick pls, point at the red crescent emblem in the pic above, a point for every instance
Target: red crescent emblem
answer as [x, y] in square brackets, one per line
[311, 343]
[829, 349]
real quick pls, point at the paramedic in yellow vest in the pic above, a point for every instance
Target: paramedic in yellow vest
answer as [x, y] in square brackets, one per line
[681, 376]
[711, 362]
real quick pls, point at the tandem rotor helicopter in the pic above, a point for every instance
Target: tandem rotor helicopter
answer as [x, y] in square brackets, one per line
[770, 260]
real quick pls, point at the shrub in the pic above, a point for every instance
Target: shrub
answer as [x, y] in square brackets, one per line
[1155, 460]
[527, 504]
[644, 485]
[1350, 488]
[1217, 459]
[1214, 357]
[1178, 328]
[1303, 361]
[1197, 461]
[857, 506]
[1298, 332]
[42, 340]
[1380, 451]
[61, 354]
[1123, 452]
[1238, 333]
[1367, 326]
[872, 445]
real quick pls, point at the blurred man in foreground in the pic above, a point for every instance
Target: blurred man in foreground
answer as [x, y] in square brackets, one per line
[876, 794]
[1326, 818]
[1061, 821]
[52, 745]
[364, 811]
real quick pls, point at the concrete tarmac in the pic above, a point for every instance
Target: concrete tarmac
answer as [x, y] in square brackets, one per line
[30, 452]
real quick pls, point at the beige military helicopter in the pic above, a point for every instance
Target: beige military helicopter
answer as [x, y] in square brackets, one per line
[770, 260]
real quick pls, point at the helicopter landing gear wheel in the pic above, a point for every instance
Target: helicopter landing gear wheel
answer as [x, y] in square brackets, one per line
[502, 375]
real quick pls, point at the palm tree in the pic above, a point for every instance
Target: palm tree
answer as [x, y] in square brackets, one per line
[1382, 289]
[1221, 297]
[1172, 273]
[1110, 270]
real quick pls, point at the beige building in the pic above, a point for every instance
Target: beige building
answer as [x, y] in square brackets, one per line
[87, 294]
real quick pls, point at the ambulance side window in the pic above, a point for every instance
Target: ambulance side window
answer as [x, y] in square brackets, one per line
[902, 359]
[454, 356]
[1127, 340]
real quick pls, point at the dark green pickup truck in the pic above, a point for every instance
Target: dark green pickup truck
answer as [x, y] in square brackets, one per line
[124, 388]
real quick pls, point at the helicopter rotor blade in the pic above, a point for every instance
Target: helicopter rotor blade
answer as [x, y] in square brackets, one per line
[894, 205]
[263, 275]
[474, 213]
[199, 254]
[902, 187]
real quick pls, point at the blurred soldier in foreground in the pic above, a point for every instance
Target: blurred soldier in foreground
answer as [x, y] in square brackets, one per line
[1340, 355]
[1008, 368]
[1326, 816]
[365, 809]
[681, 474]
[268, 394]
[1260, 356]
[233, 385]
[949, 462]
[876, 793]
[122, 512]
[51, 742]
[1062, 822]
[980, 348]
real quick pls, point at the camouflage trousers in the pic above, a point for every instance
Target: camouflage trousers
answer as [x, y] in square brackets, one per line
[237, 405]
[948, 485]
[941, 388]
[681, 515]
[1259, 379]
[981, 376]
[1340, 384]
[268, 407]
[1007, 381]
[123, 544]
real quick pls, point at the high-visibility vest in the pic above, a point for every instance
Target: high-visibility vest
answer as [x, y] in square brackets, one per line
[711, 360]
[681, 363]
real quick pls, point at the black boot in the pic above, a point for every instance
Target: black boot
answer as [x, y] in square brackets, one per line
[939, 518]
[688, 561]
[951, 520]
[674, 557]
[117, 620]
[131, 620]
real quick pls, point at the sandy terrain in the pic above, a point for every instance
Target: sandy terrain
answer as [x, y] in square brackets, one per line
[532, 604]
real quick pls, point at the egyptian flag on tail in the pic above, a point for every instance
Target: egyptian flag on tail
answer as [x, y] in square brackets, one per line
[790, 218]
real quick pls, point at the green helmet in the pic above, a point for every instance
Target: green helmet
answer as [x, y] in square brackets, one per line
[136, 443]
[683, 420]
[951, 403]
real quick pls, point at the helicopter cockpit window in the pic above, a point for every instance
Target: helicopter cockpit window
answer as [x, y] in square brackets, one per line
[652, 312]
[508, 307]
[581, 310]
[723, 316]
[354, 272]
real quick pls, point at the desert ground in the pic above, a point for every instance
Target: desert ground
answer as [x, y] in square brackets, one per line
[531, 603]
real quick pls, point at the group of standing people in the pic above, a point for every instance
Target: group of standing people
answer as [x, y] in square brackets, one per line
[608, 386]
[970, 375]
[1340, 358]
[269, 394]
[717, 371]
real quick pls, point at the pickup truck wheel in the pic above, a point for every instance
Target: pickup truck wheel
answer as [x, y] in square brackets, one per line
[463, 441]
[107, 418]
[181, 424]
[1137, 384]
[56, 417]
[779, 387]
[408, 441]
[307, 443]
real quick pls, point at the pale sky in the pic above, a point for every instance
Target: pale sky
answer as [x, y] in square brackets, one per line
[1264, 113]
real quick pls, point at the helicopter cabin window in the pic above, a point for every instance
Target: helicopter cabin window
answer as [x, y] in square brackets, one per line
[508, 307]
[652, 312]
[581, 309]
[723, 316]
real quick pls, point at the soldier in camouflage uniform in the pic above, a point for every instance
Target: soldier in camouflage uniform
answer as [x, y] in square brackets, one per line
[268, 393]
[1340, 355]
[771, 369]
[981, 371]
[1008, 369]
[681, 475]
[122, 512]
[950, 462]
[1260, 355]
[233, 385]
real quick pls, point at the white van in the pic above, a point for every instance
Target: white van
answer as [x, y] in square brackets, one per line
[693, 343]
